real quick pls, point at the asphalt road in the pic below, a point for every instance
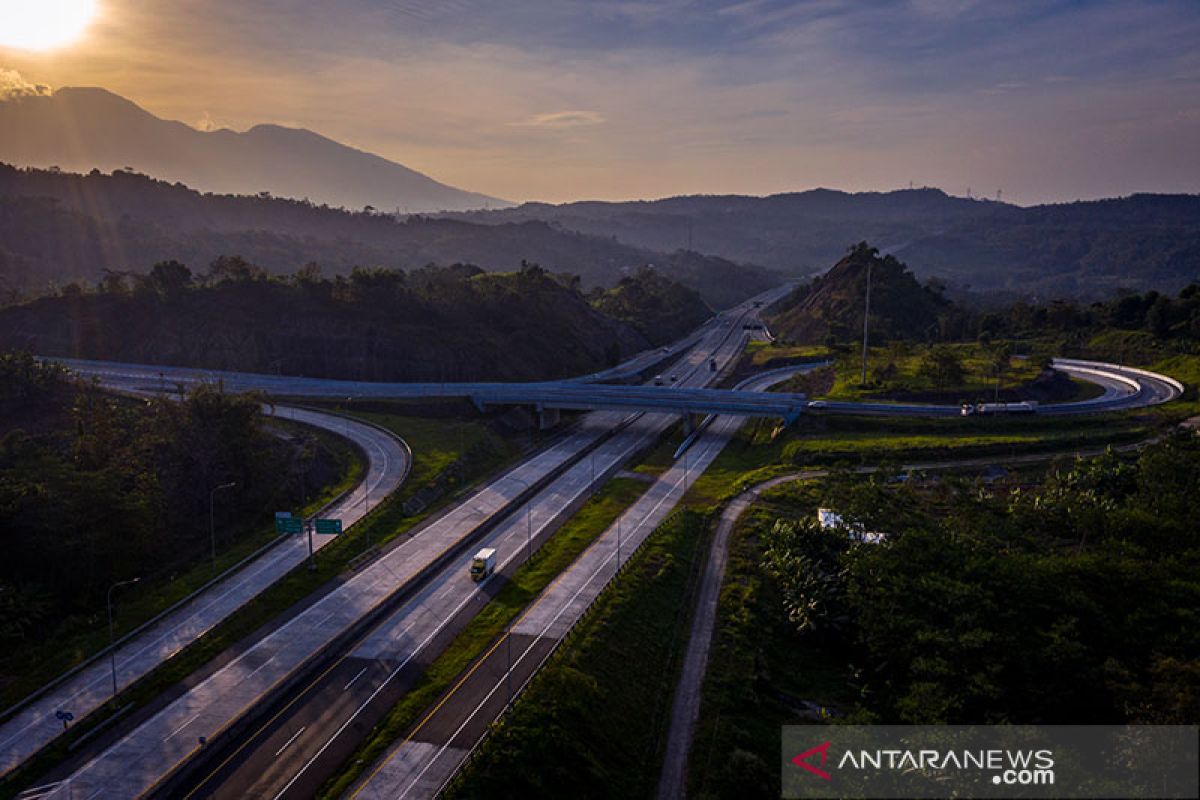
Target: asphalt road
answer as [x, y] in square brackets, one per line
[297, 749]
[139, 761]
[35, 726]
[430, 755]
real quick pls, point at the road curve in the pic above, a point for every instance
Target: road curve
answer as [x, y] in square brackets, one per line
[89, 686]
[1124, 387]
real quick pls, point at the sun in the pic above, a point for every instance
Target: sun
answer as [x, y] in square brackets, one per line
[43, 24]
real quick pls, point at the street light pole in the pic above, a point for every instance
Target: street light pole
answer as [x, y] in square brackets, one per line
[112, 638]
[212, 528]
[866, 319]
[528, 519]
[618, 543]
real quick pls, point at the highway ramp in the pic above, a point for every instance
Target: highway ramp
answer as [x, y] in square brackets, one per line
[35, 724]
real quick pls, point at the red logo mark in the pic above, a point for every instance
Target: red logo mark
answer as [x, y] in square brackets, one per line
[802, 760]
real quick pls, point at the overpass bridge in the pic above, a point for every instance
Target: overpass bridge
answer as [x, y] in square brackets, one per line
[564, 395]
[1124, 388]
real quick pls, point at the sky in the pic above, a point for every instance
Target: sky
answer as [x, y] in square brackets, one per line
[558, 100]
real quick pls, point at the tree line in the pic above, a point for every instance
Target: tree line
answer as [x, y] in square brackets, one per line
[1069, 602]
[96, 488]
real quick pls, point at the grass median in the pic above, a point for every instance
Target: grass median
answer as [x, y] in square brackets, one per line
[593, 720]
[554, 556]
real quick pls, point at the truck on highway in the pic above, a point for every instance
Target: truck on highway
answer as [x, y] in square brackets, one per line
[483, 564]
[987, 409]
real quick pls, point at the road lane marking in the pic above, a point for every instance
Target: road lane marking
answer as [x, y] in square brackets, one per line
[186, 722]
[295, 736]
[355, 678]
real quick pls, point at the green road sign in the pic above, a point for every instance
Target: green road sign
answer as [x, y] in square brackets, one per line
[329, 526]
[289, 525]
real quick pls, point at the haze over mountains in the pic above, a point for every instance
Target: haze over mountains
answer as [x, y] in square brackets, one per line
[58, 228]
[78, 129]
[55, 229]
[1085, 249]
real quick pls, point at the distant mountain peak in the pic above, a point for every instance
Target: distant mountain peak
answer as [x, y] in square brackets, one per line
[80, 128]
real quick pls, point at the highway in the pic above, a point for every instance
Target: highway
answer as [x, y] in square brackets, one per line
[211, 708]
[322, 724]
[421, 764]
[35, 725]
[216, 707]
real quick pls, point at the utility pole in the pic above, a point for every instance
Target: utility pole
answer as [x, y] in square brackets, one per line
[112, 639]
[866, 320]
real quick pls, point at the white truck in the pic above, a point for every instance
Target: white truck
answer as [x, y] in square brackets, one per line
[988, 409]
[483, 564]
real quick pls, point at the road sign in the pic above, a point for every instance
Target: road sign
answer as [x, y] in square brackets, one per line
[289, 525]
[329, 526]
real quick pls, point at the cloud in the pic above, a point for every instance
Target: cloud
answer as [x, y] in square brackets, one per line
[13, 85]
[561, 119]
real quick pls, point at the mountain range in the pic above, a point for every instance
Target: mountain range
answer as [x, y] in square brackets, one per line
[58, 228]
[1086, 249]
[79, 129]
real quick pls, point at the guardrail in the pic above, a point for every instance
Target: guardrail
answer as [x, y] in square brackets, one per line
[1167, 379]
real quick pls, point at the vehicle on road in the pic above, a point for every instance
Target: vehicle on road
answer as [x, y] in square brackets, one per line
[658, 380]
[817, 404]
[987, 409]
[483, 564]
[674, 379]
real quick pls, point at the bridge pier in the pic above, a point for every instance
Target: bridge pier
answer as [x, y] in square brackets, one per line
[547, 417]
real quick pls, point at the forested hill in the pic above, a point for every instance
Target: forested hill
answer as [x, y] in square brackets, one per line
[57, 228]
[1084, 249]
[832, 305]
[431, 324]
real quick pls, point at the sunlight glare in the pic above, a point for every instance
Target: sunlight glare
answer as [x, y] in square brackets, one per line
[43, 24]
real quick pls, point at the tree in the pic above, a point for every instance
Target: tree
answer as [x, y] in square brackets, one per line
[942, 366]
[169, 278]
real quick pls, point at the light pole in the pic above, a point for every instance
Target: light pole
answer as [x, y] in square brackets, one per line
[528, 519]
[112, 639]
[866, 318]
[212, 528]
[508, 674]
[618, 543]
